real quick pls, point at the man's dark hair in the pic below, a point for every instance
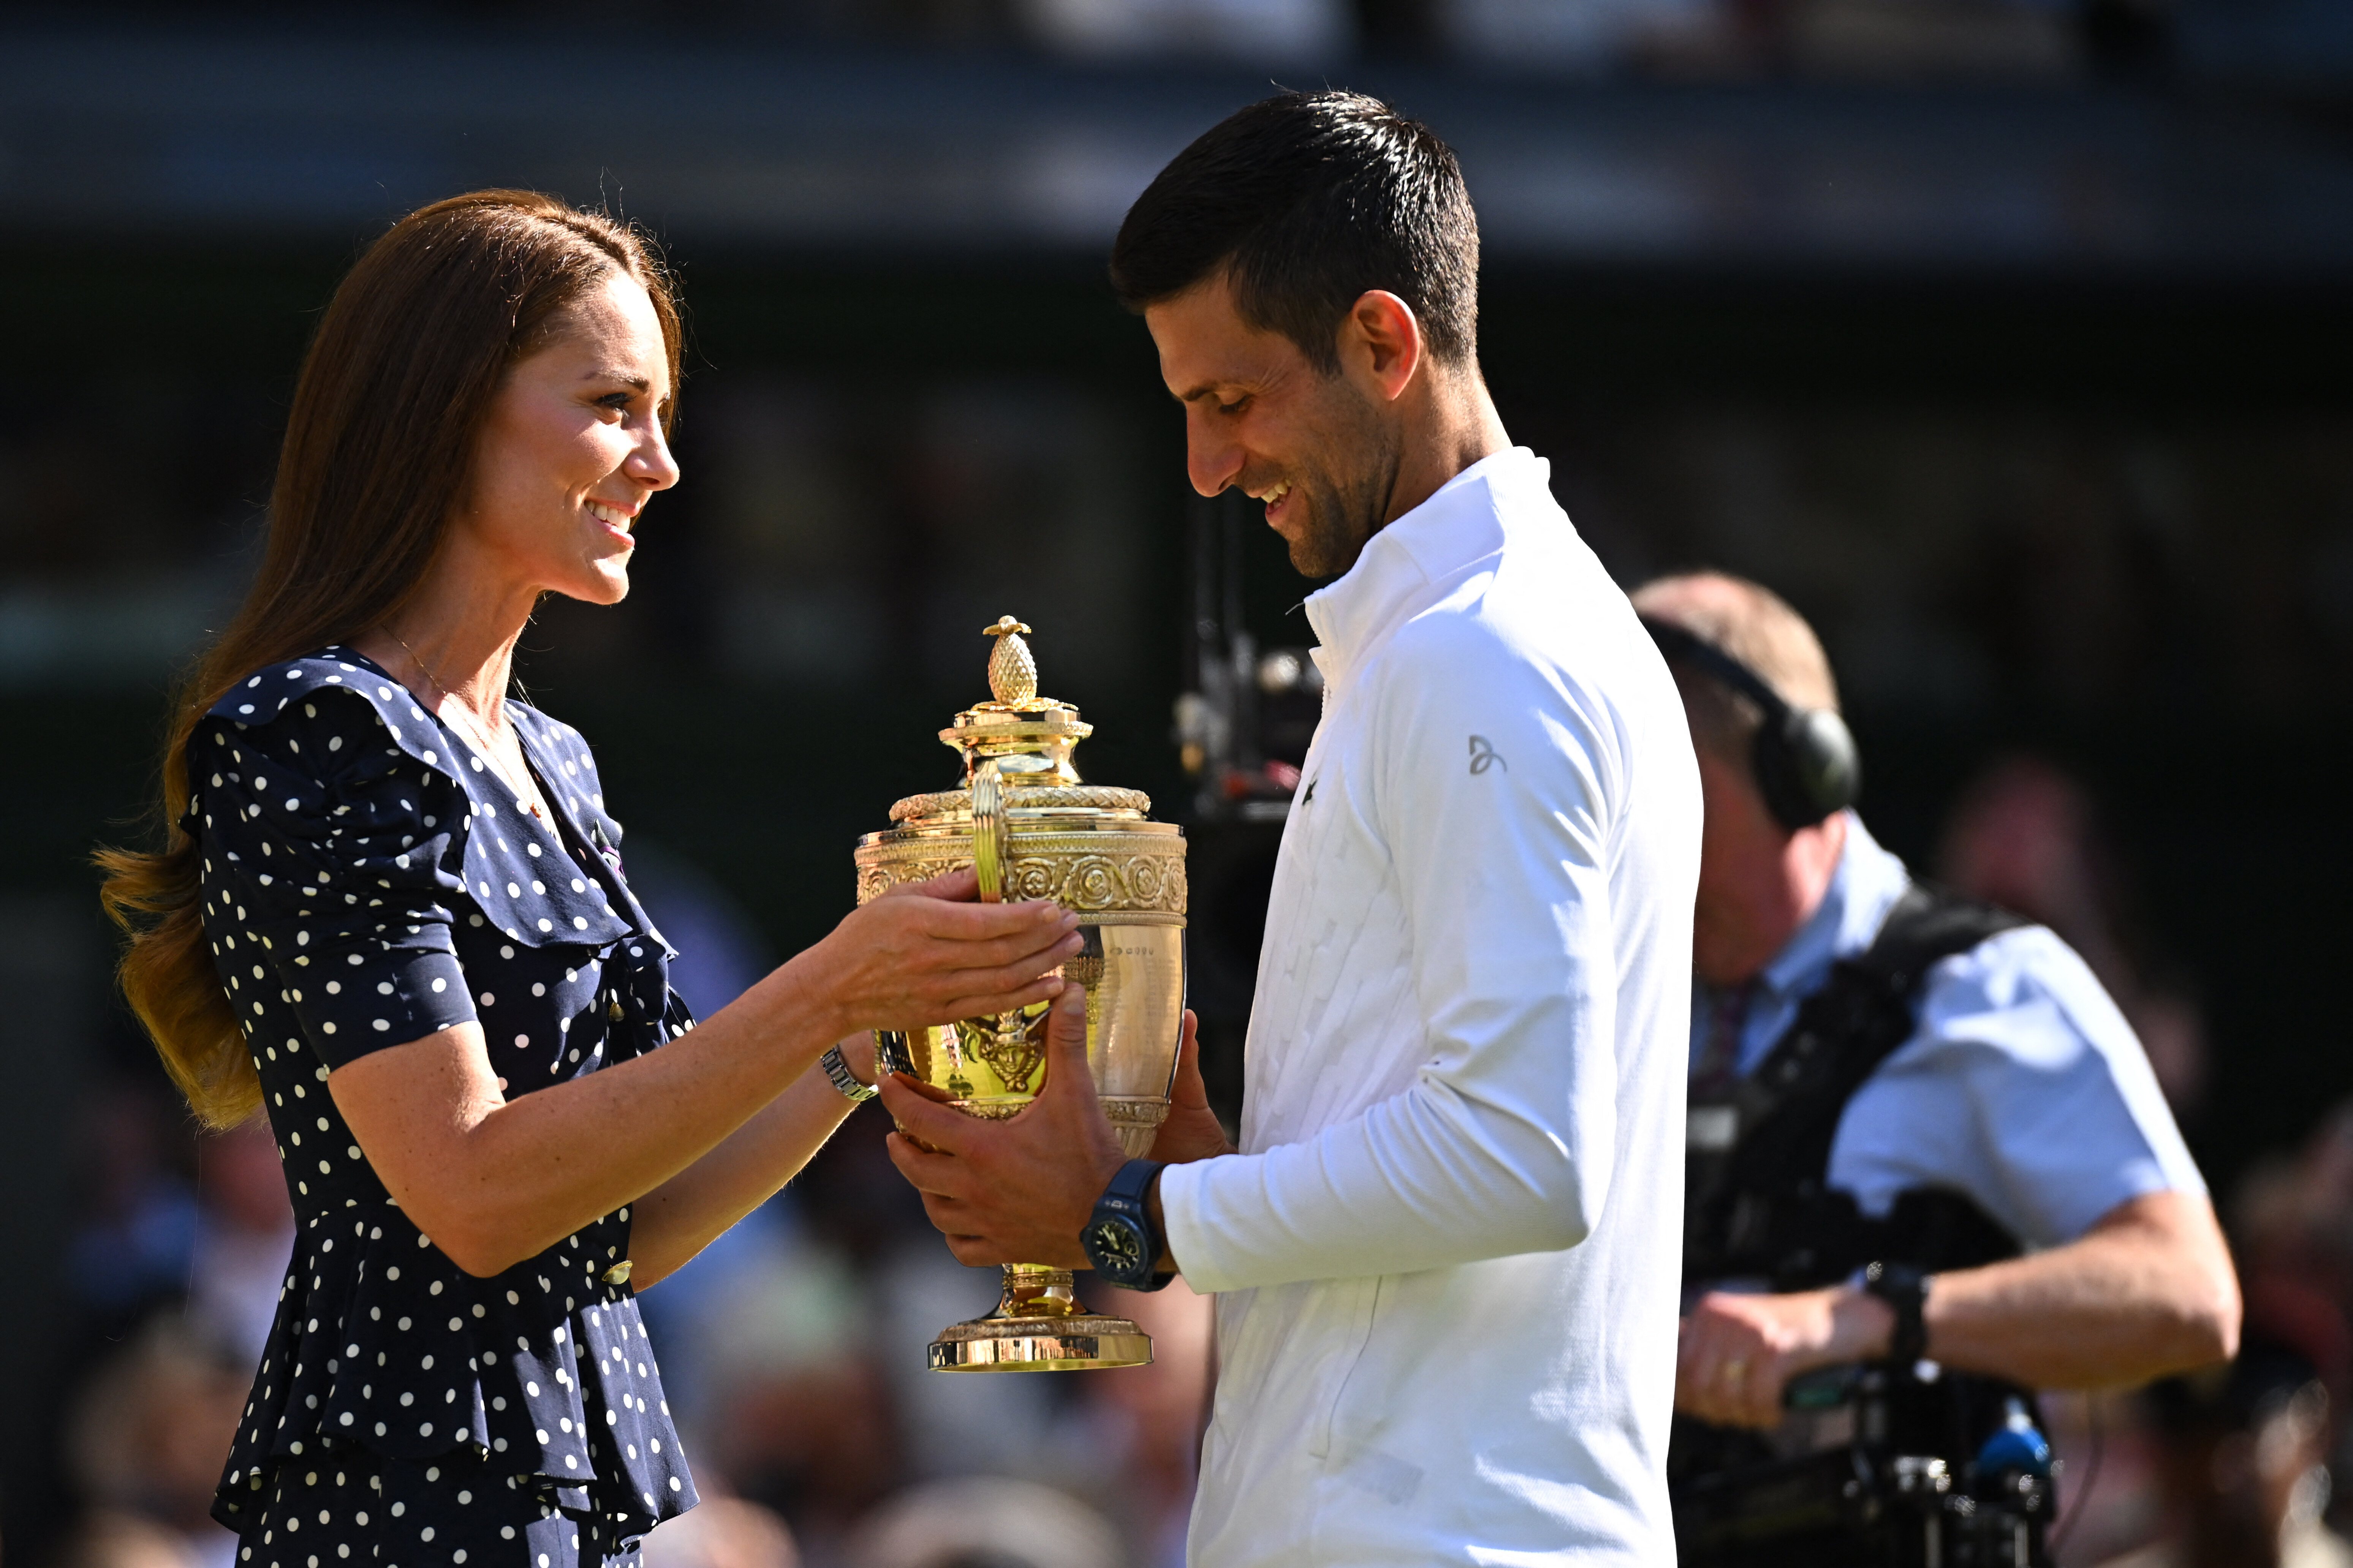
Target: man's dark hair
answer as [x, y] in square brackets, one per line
[1310, 199]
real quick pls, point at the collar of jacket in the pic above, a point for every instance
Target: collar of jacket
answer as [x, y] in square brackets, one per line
[1468, 519]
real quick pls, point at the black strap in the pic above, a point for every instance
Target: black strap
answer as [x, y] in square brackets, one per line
[1752, 1207]
[1678, 642]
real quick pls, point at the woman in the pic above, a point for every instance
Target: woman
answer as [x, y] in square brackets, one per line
[392, 911]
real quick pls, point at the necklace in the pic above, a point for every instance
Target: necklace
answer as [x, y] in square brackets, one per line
[526, 797]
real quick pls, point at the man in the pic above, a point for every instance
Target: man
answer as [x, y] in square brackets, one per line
[2000, 1148]
[1444, 1255]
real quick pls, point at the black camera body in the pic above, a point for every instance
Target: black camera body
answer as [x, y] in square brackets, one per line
[1884, 1498]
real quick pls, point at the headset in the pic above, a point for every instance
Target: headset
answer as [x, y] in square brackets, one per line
[1806, 764]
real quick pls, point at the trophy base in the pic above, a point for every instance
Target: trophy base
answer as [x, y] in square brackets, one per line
[1041, 1344]
[1039, 1326]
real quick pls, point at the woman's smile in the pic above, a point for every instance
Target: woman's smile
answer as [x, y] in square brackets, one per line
[615, 520]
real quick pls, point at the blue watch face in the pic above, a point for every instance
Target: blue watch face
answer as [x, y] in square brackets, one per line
[1116, 1248]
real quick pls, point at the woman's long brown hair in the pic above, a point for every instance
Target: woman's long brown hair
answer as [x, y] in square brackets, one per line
[379, 448]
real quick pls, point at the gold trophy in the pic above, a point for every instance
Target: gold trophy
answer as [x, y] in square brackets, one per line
[1031, 830]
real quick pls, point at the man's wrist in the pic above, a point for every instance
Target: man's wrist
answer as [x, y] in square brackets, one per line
[1166, 1262]
[1122, 1240]
[1862, 1327]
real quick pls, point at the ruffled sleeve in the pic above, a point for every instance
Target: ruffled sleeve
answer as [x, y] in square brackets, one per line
[341, 853]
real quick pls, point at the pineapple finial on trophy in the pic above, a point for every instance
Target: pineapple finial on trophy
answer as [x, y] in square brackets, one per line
[1012, 671]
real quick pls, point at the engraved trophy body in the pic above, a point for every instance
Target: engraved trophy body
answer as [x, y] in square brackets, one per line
[1031, 830]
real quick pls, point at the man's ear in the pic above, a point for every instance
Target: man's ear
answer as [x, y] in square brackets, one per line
[1380, 337]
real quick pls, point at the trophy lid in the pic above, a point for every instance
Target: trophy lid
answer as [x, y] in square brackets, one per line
[1028, 737]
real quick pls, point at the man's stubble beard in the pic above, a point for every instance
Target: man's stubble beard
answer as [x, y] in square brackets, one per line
[1347, 496]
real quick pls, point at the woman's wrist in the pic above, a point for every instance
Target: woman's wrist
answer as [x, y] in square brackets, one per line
[807, 1004]
[858, 1055]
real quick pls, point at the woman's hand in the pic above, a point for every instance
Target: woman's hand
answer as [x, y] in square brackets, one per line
[925, 953]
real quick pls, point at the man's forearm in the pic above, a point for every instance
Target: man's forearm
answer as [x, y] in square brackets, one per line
[1425, 1180]
[2148, 1290]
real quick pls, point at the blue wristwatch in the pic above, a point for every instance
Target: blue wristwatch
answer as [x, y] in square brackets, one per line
[1121, 1240]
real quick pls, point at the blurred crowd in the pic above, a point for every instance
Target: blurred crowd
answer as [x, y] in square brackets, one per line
[793, 1347]
[1704, 39]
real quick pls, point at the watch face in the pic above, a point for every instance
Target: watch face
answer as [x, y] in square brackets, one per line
[1115, 1246]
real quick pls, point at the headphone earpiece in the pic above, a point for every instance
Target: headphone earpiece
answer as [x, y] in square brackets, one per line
[1807, 767]
[1805, 760]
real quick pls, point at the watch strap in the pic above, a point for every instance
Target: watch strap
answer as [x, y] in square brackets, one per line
[843, 1078]
[1904, 1288]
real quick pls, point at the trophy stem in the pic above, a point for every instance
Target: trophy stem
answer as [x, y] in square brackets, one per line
[1034, 1291]
[1039, 1326]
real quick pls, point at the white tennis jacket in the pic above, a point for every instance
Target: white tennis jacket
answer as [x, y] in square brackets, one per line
[1447, 1259]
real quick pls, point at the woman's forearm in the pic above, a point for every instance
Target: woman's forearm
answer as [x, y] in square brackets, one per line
[690, 1211]
[494, 1180]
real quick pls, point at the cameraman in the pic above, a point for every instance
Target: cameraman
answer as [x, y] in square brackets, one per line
[1920, 1130]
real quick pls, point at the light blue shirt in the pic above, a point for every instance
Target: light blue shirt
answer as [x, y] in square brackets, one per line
[2023, 1086]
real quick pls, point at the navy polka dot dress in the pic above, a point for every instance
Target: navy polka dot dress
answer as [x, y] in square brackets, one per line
[367, 881]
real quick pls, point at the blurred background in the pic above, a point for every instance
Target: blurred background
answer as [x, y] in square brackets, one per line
[2007, 338]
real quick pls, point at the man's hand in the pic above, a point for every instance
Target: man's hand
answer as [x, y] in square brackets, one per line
[1017, 1191]
[1192, 1130]
[1739, 1352]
